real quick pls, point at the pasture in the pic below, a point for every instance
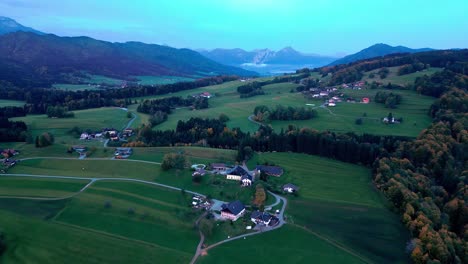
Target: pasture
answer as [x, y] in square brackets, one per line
[160, 80]
[82, 229]
[93, 119]
[342, 118]
[288, 244]
[4, 103]
[136, 211]
[32, 187]
[400, 80]
[338, 202]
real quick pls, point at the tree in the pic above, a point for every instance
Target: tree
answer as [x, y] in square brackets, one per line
[206, 226]
[174, 161]
[223, 118]
[358, 121]
[260, 195]
[129, 114]
[44, 140]
[2, 243]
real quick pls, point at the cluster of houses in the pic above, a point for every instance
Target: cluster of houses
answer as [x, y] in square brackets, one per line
[8, 153]
[236, 209]
[355, 86]
[206, 95]
[123, 153]
[6, 160]
[242, 174]
[110, 133]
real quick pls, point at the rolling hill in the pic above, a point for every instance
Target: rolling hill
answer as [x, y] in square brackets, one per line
[39, 60]
[377, 50]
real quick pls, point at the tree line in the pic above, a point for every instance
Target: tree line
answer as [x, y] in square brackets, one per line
[11, 131]
[389, 99]
[264, 114]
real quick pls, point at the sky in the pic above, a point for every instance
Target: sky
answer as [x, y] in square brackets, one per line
[327, 27]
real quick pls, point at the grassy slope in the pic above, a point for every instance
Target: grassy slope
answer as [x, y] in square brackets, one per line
[33, 239]
[13, 186]
[94, 119]
[400, 80]
[337, 201]
[413, 109]
[158, 80]
[286, 245]
[4, 103]
[158, 214]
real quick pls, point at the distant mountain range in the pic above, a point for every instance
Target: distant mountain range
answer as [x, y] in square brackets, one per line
[34, 59]
[266, 59]
[377, 50]
[8, 25]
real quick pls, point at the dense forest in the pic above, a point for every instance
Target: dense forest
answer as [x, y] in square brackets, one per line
[11, 131]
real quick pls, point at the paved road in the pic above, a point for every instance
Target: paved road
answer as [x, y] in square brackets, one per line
[117, 160]
[280, 224]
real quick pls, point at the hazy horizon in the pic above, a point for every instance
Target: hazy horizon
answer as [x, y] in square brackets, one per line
[325, 27]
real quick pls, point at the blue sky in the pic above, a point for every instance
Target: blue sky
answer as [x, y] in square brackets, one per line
[312, 26]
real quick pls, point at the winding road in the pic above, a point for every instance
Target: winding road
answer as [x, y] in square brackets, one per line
[92, 180]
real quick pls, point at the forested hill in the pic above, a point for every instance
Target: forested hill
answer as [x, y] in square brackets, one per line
[377, 50]
[454, 60]
[28, 59]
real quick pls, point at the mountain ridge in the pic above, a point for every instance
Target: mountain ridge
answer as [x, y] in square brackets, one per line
[46, 57]
[9, 25]
[376, 50]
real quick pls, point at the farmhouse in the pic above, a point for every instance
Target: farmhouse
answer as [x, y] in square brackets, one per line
[290, 188]
[123, 153]
[261, 217]
[128, 132]
[246, 180]
[199, 172]
[218, 167]
[6, 153]
[236, 173]
[365, 100]
[232, 211]
[269, 170]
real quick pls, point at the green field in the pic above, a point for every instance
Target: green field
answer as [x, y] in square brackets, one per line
[4, 103]
[287, 245]
[400, 80]
[94, 119]
[337, 201]
[31, 187]
[215, 185]
[160, 80]
[413, 109]
[133, 229]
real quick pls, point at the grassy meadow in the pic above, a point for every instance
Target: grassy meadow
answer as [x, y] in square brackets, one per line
[413, 109]
[32, 187]
[4, 103]
[161, 80]
[93, 119]
[400, 80]
[133, 229]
